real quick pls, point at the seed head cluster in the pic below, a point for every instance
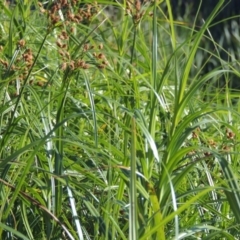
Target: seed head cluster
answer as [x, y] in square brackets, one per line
[225, 144]
[23, 62]
[64, 15]
[70, 11]
[134, 9]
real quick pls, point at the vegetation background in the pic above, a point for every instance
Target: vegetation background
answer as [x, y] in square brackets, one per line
[119, 126]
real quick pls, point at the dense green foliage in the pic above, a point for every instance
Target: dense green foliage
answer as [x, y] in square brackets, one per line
[110, 129]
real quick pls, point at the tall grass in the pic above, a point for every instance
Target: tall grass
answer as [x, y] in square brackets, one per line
[105, 131]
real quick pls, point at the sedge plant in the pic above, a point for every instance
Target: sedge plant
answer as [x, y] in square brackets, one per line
[105, 133]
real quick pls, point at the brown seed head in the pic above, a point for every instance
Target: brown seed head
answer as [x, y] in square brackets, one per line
[226, 148]
[85, 47]
[194, 135]
[27, 56]
[101, 56]
[85, 66]
[59, 43]
[101, 66]
[40, 83]
[212, 143]
[63, 66]
[62, 53]
[70, 16]
[4, 63]
[21, 43]
[64, 35]
[230, 134]
[79, 18]
[72, 65]
[79, 63]
[207, 154]
[64, 45]
[64, 3]
[138, 5]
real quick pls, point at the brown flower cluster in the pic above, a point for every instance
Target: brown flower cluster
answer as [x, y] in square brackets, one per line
[195, 133]
[69, 14]
[225, 146]
[28, 57]
[5, 63]
[23, 62]
[230, 134]
[100, 59]
[134, 9]
[21, 66]
[63, 11]
[65, 55]
[74, 65]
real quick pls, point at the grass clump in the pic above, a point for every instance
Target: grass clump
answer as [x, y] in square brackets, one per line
[105, 133]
